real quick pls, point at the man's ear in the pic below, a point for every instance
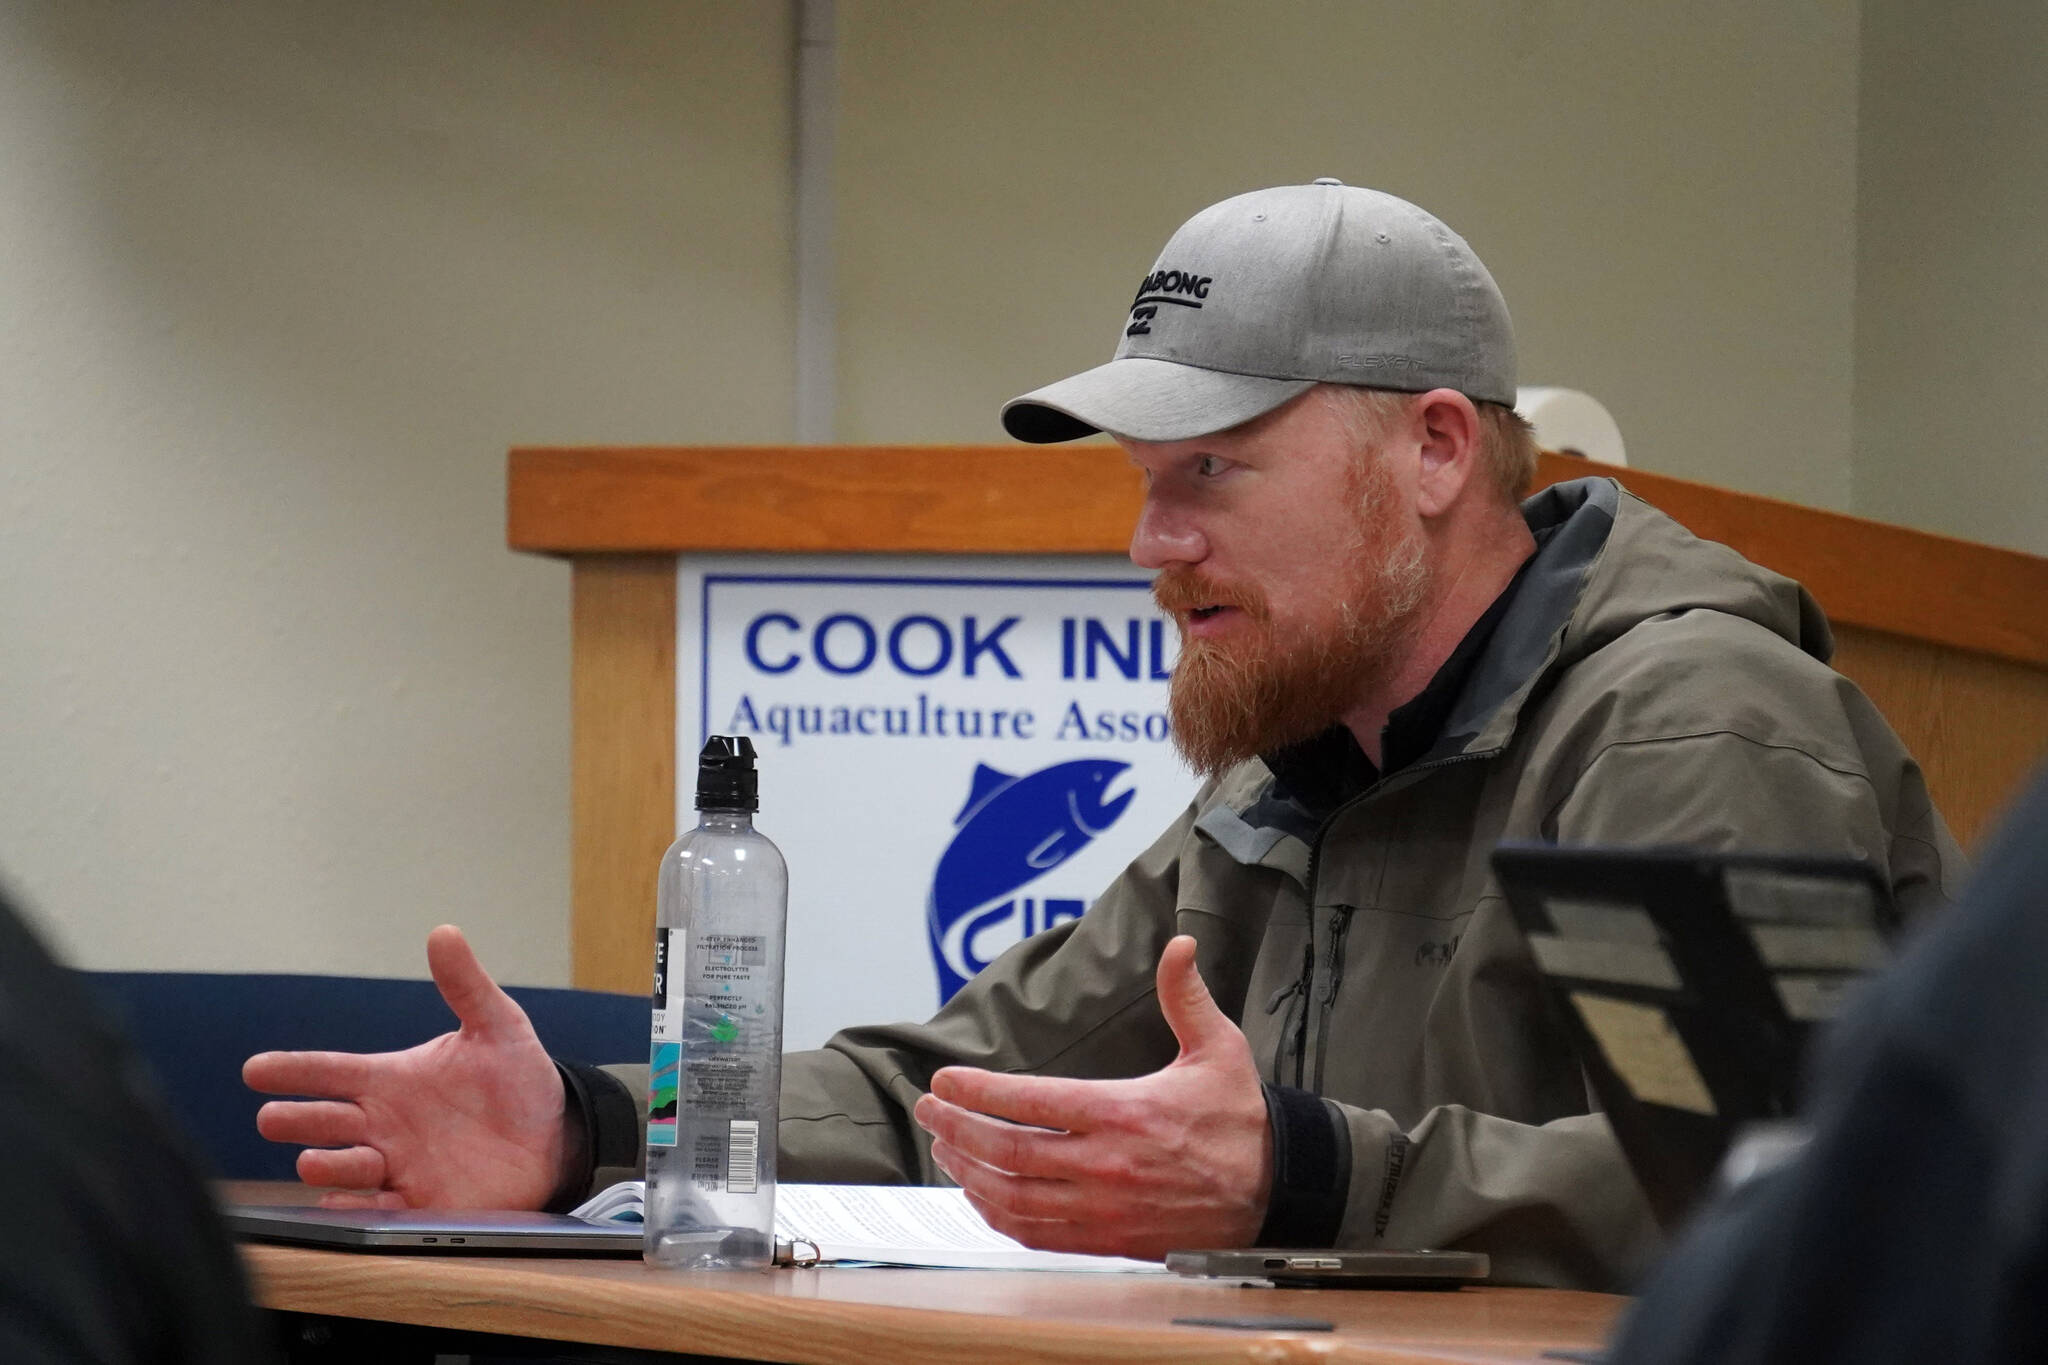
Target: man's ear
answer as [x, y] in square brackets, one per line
[1449, 454]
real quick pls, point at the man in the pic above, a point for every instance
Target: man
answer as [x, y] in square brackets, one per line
[1387, 667]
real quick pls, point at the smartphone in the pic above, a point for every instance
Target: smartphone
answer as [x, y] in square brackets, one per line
[1310, 1268]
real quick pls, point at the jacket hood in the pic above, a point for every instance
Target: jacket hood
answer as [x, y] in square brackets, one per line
[1606, 561]
[1575, 597]
[1670, 570]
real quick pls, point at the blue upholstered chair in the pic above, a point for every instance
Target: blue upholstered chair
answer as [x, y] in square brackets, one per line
[196, 1028]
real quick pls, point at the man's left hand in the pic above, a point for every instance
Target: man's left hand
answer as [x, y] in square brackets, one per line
[1182, 1158]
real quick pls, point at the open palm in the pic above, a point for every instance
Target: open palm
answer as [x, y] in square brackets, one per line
[471, 1119]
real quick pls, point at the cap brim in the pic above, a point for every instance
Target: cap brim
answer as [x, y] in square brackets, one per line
[1146, 400]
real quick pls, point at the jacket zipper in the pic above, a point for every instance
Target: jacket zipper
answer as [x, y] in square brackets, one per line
[1340, 924]
[1293, 1024]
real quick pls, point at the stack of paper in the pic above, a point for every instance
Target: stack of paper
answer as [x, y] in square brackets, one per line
[907, 1225]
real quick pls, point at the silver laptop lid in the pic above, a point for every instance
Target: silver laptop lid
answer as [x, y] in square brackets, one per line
[432, 1230]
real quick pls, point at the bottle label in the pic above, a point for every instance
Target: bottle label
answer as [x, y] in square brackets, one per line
[665, 1061]
[743, 1156]
[712, 1036]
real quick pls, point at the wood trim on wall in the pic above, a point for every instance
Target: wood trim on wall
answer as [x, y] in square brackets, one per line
[794, 499]
[1868, 574]
[623, 763]
[1978, 725]
[1084, 499]
[1948, 638]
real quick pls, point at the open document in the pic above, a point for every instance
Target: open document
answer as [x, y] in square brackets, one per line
[907, 1225]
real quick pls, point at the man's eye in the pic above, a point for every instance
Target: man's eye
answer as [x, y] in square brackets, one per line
[1208, 466]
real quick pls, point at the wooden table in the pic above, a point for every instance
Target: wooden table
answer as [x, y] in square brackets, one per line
[832, 1316]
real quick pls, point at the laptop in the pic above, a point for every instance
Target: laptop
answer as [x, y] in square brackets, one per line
[1690, 983]
[495, 1231]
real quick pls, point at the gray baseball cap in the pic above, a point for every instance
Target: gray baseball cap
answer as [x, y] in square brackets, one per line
[1262, 297]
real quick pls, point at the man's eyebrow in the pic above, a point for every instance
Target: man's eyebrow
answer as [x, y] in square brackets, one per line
[1181, 460]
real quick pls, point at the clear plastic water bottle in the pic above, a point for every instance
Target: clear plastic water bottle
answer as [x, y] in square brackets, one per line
[716, 1076]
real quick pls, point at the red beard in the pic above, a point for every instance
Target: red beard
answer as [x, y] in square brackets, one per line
[1268, 684]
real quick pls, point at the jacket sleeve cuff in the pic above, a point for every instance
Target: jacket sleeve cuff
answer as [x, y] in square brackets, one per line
[598, 1107]
[1311, 1170]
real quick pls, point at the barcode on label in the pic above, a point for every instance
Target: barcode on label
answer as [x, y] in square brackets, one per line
[743, 1157]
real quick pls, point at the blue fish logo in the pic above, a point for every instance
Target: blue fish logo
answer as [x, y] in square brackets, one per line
[1012, 831]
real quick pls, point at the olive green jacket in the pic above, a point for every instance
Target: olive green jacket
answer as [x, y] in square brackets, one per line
[1644, 687]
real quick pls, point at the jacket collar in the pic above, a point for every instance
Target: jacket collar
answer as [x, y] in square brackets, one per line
[1267, 811]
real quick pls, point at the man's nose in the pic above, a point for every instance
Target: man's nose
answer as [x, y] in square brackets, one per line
[1165, 535]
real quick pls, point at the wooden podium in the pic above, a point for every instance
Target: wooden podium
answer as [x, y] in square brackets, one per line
[1949, 638]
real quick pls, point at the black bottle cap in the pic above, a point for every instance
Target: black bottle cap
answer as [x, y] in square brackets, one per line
[725, 775]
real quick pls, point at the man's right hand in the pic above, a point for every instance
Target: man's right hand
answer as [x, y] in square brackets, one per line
[471, 1119]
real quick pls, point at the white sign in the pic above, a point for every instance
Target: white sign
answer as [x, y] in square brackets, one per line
[955, 752]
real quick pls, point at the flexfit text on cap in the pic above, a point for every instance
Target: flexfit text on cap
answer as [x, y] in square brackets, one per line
[1261, 297]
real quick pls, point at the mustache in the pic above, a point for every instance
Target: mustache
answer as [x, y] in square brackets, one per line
[1181, 591]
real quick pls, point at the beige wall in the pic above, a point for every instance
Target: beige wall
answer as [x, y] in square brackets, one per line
[278, 286]
[1952, 286]
[1665, 191]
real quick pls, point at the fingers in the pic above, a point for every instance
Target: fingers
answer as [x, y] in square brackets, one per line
[999, 1145]
[477, 1000]
[1018, 1196]
[1099, 1219]
[341, 1074]
[1088, 1237]
[1032, 1232]
[1042, 1101]
[312, 1123]
[1185, 1000]
[363, 1199]
[350, 1168]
